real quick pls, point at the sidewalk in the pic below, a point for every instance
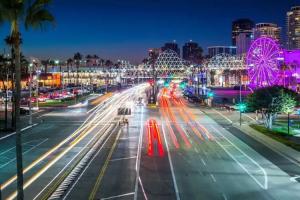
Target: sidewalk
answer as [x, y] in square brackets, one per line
[286, 151]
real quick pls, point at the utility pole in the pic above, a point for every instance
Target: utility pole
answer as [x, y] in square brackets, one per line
[30, 93]
[154, 82]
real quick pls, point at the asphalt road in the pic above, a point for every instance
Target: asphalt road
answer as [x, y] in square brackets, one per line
[192, 153]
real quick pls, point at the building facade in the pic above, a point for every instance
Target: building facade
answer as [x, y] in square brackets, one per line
[293, 28]
[268, 30]
[153, 53]
[215, 50]
[243, 42]
[241, 26]
[192, 52]
[171, 46]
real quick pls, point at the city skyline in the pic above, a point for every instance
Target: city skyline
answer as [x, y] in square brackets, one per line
[103, 32]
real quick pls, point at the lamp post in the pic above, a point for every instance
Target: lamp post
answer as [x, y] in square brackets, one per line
[30, 93]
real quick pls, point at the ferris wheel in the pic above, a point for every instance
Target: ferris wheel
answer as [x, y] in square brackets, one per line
[263, 61]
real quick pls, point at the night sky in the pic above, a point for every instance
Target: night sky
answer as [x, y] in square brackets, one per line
[125, 29]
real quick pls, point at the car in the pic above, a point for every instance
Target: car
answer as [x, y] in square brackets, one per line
[24, 111]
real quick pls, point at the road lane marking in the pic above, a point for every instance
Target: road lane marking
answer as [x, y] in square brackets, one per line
[213, 178]
[25, 152]
[229, 120]
[138, 160]
[196, 150]
[171, 166]
[204, 163]
[23, 129]
[126, 158]
[265, 184]
[224, 196]
[103, 169]
[143, 190]
[127, 138]
[84, 128]
[118, 196]
[249, 117]
[86, 167]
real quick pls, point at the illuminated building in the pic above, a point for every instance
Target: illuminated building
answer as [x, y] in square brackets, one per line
[267, 30]
[243, 42]
[215, 50]
[171, 46]
[241, 26]
[293, 28]
[192, 52]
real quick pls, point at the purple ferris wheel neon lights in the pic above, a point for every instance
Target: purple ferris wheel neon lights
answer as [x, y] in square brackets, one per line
[262, 61]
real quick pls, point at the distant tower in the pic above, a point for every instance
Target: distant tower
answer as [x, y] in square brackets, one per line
[172, 46]
[268, 30]
[293, 28]
[241, 26]
[192, 52]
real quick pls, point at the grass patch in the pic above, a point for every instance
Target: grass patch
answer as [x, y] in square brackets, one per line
[277, 135]
[63, 102]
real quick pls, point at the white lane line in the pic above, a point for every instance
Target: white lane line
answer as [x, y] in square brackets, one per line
[224, 196]
[126, 158]
[265, 184]
[86, 167]
[213, 178]
[118, 196]
[23, 129]
[143, 190]
[12, 160]
[171, 165]
[139, 151]
[25, 143]
[196, 150]
[204, 163]
[127, 138]
[229, 120]
[249, 117]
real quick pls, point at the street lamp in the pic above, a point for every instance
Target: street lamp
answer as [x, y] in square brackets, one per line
[30, 93]
[242, 108]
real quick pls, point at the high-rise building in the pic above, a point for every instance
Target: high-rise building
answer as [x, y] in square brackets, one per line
[243, 42]
[268, 30]
[192, 52]
[241, 26]
[172, 46]
[215, 50]
[153, 53]
[293, 28]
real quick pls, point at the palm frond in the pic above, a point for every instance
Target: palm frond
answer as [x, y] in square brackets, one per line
[38, 16]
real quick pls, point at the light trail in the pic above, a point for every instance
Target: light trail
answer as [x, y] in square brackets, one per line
[85, 129]
[174, 121]
[171, 132]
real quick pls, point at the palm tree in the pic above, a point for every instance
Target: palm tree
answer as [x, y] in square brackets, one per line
[77, 58]
[69, 62]
[33, 14]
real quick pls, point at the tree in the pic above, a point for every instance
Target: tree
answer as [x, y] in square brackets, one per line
[33, 14]
[269, 102]
[288, 103]
[77, 58]
[4, 72]
[69, 63]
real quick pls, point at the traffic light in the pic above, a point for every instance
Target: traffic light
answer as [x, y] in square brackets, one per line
[166, 84]
[242, 107]
[182, 85]
[210, 94]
